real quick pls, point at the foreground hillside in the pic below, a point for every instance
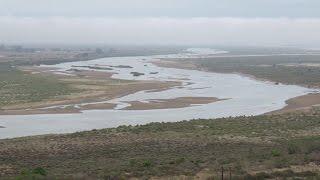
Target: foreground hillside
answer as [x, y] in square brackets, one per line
[267, 146]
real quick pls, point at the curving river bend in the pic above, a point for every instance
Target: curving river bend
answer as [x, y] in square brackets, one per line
[245, 96]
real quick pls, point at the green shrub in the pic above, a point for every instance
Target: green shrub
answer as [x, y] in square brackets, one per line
[37, 173]
[275, 153]
[146, 163]
[40, 171]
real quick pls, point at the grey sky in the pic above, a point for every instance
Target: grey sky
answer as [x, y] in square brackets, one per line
[227, 22]
[162, 8]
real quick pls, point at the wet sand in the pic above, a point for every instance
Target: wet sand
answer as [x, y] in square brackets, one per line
[98, 106]
[171, 103]
[300, 103]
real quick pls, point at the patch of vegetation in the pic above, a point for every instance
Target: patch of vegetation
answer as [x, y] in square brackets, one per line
[249, 146]
[283, 175]
[34, 174]
[20, 87]
[275, 153]
[274, 68]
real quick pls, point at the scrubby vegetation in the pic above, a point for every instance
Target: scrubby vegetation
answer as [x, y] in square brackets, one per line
[258, 147]
[20, 87]
[287, 69]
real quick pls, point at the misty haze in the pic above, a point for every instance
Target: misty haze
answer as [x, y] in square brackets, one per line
[171, 89]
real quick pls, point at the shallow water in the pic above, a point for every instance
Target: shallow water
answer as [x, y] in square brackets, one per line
[245, 96]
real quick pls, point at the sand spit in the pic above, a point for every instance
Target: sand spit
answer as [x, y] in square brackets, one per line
[304, 102]
[180, 102]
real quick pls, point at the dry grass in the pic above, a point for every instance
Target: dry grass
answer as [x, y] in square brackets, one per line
[251, 146]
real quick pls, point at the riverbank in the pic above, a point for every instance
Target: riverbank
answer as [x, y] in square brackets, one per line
[293, 104]
[265, 146]
[175, 94]
[294, 69]
[94, 86]
[300, 103]
[180, 102]
[91, 90]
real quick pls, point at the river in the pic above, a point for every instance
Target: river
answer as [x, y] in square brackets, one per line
[245, 96]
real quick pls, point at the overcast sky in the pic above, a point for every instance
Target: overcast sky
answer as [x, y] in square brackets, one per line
[216, 22]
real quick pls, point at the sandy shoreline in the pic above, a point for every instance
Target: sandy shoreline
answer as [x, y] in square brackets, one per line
[305, 102]
[96, 88]
[192, 66]
[180, 102]
[102, 87]
[91, 100]
[242, 94]
[297, 103]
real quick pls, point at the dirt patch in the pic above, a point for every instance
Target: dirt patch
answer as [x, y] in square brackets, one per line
[304, 102]
[310, 167]
[180, 102]
[98, 106]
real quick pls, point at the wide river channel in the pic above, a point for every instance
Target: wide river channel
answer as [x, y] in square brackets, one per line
[245, 96]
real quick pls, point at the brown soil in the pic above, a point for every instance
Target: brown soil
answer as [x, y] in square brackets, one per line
[99, 106]
[300, 103]
[180, 102]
